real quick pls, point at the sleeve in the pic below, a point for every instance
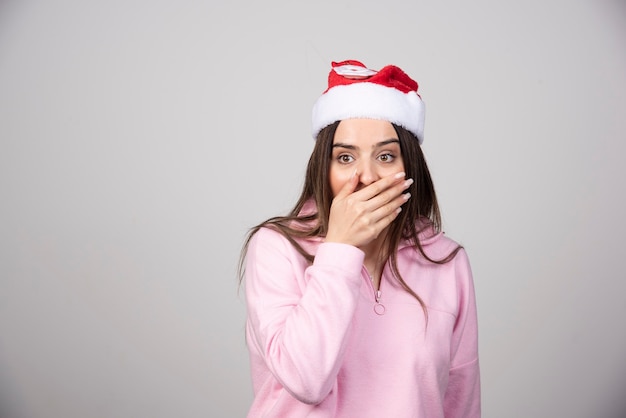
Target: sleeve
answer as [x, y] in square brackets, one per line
[299, 321]
[462, 398]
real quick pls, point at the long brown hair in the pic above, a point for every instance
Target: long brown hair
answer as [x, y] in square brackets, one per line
[422, 205]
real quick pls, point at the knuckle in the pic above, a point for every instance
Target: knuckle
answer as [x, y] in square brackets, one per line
[388, 195]
[360, 212]
[377, 188]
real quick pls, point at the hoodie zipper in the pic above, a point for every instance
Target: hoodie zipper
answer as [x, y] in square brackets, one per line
[379, 308]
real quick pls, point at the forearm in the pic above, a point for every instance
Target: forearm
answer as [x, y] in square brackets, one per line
[301, 328]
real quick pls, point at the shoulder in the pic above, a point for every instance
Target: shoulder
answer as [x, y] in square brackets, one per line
[266, 234]
[436, 244]
[439, 242]
[269, 238]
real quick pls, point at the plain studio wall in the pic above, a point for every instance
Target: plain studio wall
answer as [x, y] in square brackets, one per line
[140, 140]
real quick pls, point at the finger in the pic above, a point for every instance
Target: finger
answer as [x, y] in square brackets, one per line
[390, 209]
[387, 220]
[388, 195]
[380, 186]
[349, 187]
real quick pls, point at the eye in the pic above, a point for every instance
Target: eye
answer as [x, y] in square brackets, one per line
[387, 157]
[345, 158]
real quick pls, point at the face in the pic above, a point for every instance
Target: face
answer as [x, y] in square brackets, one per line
[369, 146]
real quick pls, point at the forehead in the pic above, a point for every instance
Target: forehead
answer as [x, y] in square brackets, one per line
[364, 131]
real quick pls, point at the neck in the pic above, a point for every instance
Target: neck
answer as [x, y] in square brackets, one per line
[373, 249]
[375, 257]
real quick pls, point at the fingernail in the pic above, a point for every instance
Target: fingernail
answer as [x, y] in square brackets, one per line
[408, 182]
[406, 196]
[399, 175]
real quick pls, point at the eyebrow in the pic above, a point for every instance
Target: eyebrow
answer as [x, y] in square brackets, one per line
[377, 145]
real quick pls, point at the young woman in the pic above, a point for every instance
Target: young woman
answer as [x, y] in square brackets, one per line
[358, 306]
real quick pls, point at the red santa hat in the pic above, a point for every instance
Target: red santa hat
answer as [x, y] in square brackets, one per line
[355, 91]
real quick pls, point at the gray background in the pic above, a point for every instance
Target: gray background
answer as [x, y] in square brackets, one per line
[140, 139]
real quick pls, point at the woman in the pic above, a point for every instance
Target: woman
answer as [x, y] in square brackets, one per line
[358, 305]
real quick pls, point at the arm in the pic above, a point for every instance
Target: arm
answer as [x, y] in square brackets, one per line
[299, 319]
[462, 398]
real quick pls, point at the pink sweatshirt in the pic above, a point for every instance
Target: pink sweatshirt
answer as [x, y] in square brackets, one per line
[321, 346]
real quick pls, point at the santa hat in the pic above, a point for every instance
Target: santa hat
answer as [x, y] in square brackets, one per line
[355, 91]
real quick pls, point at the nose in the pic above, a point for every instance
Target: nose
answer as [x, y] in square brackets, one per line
[367, 173]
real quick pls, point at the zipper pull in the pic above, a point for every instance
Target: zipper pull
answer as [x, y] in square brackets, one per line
[379, 308]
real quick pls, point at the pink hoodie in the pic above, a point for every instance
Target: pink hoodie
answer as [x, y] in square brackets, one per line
[318, 348]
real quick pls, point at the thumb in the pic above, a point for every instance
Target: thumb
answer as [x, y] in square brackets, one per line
[350, 186]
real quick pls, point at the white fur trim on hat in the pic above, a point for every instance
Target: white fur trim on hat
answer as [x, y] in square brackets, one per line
[370, 101]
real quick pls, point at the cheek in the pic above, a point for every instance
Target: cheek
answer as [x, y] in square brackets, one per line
[401, 164]
[337, 179]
